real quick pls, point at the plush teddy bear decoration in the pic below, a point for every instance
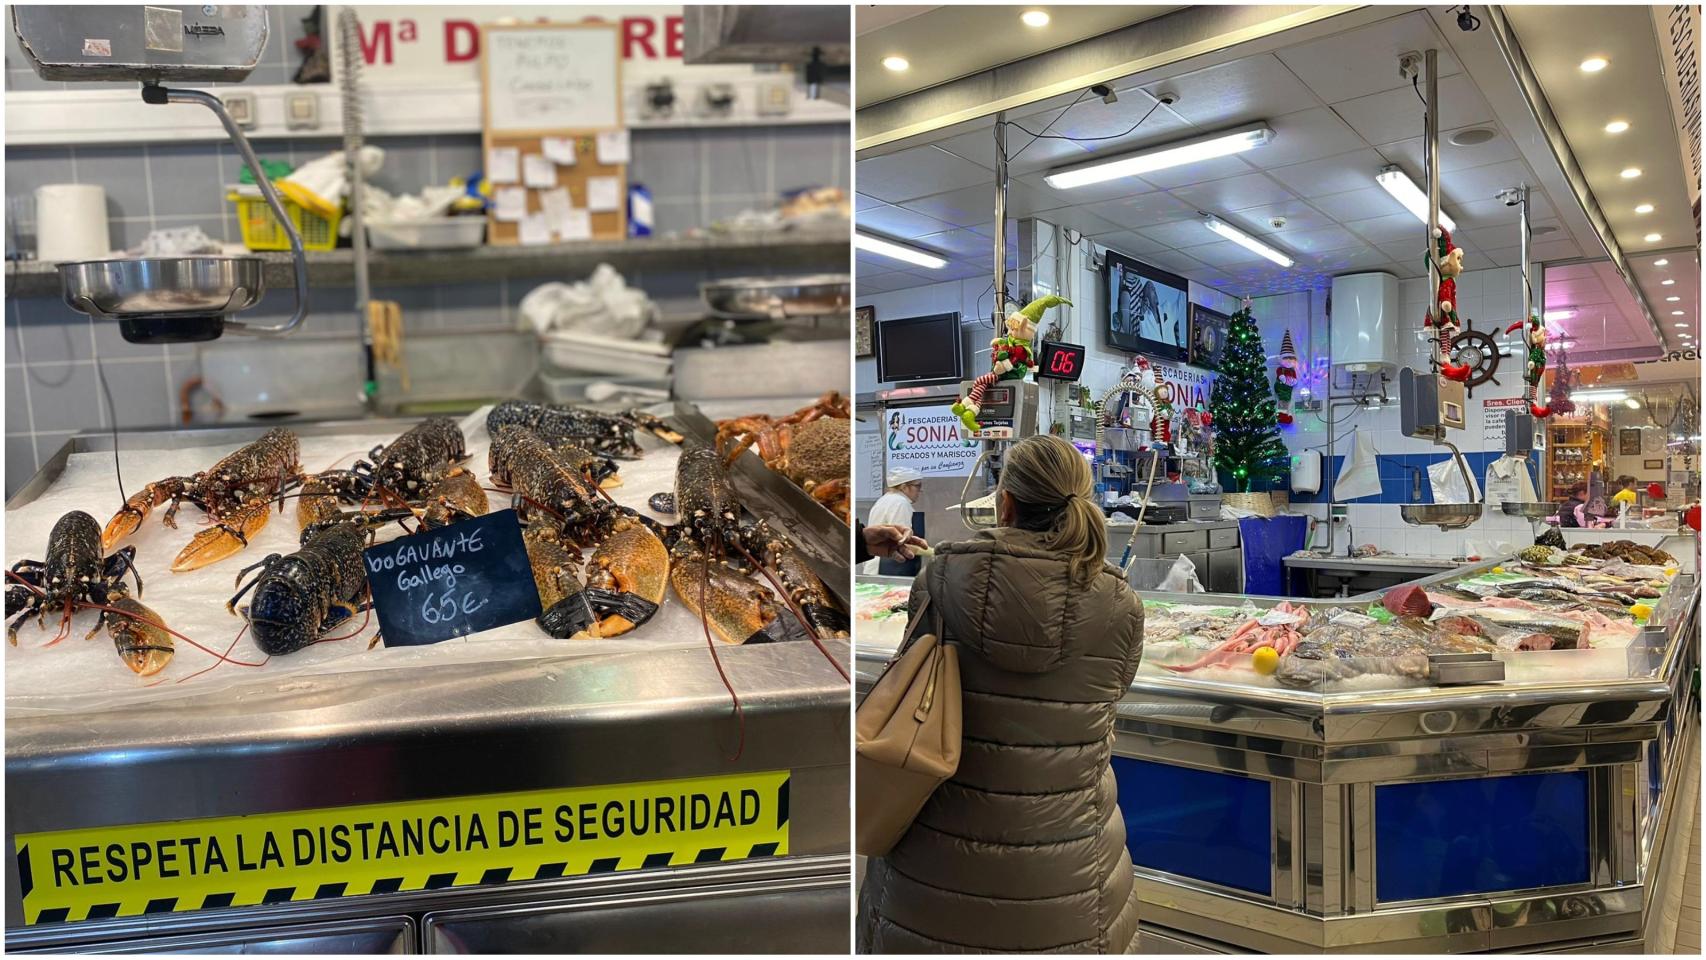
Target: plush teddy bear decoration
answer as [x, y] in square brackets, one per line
[1010, 356]
[1449, 262]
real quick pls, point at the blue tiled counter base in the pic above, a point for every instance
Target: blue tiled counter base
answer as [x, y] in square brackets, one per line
[1453, 837]
[1208, 826]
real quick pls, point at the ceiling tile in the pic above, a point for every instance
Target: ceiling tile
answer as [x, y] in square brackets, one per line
[1134, 118]
[1357, 205]
[1145, 208]
[1478, 213]
[1298, 216]
[1397, 114]
[864, 286]
[1175, 261]
[1218, 168]
[1503, 256]
[916, 172]
[1080, 219]
[987, 228]
[1233, 193]
[1316, 241]
[1339, 174]
[1221, 253]
[975, 204]
[1303, 136]
[1561, 249]
[961, 243]
[1024, 154]
[1364, 61]
[1392, 228]
[1452, 157]
[1177, 233]
[899, 222]
[862, 203]
[1252, 88]
[1484, 183]
[1131, 244]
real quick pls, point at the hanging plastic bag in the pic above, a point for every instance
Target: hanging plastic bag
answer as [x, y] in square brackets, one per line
[1360, 476]
[1508, 481]
[1182, 578]
[1448, 480]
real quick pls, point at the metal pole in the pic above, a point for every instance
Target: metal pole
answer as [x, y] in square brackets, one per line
[1430, 156]
[1527, 287]
[1000, 310]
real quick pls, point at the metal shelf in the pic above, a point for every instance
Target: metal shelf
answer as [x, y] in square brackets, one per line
[775, 252]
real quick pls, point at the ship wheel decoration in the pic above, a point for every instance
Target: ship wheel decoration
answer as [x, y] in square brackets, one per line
[1477, 351]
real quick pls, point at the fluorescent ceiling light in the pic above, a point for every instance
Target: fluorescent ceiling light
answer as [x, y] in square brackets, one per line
[1644, 209]
[1594, 64]
[1034, 18]
[1667, 283]
[1246, 241]
[896, 251]
[1599, 396]
[1405, 191]
[1630, 173]
[897, 64]
[1148, 159]
[1661, 263]
[1672, 299]
[1553, 315]
[1617, 126]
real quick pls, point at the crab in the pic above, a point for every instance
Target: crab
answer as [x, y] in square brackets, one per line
[810, 446]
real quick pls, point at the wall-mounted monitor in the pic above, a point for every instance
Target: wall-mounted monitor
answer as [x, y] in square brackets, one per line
[1208, 336]
[919, 349]
[1148, 308]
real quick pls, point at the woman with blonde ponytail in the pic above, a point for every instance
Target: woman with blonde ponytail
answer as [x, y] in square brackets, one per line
[1023, 849]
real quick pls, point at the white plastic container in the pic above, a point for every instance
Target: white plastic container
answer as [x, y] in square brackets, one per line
[1364, 330]
[439, 233]
[606, 356]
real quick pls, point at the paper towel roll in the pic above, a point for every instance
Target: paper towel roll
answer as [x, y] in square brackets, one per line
[71, 222]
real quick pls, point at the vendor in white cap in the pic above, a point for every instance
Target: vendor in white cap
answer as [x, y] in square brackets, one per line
[896, 507]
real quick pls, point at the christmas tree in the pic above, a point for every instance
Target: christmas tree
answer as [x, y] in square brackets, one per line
[1247, 443]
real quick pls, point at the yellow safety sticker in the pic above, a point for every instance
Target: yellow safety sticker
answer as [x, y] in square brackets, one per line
[350, 851]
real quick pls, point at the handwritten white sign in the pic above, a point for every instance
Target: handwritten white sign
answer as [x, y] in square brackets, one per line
[552, 79]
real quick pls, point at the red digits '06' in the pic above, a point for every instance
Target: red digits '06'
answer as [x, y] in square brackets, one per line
[1063, 362]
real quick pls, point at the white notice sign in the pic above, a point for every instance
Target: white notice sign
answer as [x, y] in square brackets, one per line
[1493, 421]
[928, 440]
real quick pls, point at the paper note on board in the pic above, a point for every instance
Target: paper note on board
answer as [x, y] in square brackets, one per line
[603, 194]
[537, 171]
[556, 206]
[559, 150]
[510, 203]
[575, 225]
[613, 147]
[535, 229]
[503, 165]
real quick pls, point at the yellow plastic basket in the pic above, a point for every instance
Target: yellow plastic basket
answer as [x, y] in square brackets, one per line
[262, 231]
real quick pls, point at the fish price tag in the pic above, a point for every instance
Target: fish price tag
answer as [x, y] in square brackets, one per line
[453, 581]
[1278, 618]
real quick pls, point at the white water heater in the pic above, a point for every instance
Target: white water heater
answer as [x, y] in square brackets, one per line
[1364, 330]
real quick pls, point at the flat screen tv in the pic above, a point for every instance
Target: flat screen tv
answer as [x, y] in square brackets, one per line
[1208, 336]
[919, 349]
[1148, 309]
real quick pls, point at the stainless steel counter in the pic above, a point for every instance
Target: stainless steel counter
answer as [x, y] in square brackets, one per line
[450, 734]
[1282, 821]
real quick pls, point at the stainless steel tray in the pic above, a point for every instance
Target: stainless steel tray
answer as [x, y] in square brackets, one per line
[779, 298]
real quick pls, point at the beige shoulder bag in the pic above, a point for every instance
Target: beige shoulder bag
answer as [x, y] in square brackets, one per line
[909, 737]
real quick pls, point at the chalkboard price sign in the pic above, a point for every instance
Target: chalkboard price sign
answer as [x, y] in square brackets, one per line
[453, 581]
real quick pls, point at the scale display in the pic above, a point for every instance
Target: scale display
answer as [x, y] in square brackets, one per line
[1009, 410]
[1060, 361]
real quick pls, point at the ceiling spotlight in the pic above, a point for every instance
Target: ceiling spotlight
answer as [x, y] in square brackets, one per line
[897, 64]
[1632, 403]
[1405, 191]
[1132, 163]
[1653, 238]
[1672, 299]
[897, 251]
[1644, 208]
[1617, 126]
[1666, 283]
[1679, 313]
[1630, 173]
[1246, 241]
[1594, 64]
[1661, 263]
[1034, 18]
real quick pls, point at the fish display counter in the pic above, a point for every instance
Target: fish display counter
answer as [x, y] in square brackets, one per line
[628, 777]
[1498, 757]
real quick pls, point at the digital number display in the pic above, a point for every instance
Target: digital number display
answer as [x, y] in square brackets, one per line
[997, 404]
[1061, 361]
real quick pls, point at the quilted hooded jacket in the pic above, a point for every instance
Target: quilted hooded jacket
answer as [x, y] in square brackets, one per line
[1024, 848]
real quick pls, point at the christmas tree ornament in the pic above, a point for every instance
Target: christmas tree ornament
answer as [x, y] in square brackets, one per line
[1010, 356]
[1285, 377]
[1448, 260]
[1247, 443]
[1534, 369]
[1558, 400]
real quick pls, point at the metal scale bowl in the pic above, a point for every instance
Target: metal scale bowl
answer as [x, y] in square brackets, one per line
[164, 299]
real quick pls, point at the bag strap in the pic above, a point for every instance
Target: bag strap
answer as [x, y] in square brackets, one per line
[918, 617]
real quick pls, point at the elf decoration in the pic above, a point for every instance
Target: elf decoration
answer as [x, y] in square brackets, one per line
[1534, 371]
[1247, 443]
[1285, 377]
[1010, 356]
[1449, 261]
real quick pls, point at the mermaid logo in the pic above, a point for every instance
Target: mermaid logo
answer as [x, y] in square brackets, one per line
[896, 434]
